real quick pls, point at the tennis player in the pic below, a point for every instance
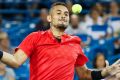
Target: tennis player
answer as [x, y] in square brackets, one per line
[53, 54]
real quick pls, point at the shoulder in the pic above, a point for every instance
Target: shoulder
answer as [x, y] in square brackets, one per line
[36, 34]
[73, 38]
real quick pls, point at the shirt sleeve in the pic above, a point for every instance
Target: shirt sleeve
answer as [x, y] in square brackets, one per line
[81, 59]
[28, 44]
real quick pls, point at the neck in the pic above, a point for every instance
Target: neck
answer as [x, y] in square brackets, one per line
[57, 33]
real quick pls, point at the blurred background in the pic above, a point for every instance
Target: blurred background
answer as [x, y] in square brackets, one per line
[98, 26]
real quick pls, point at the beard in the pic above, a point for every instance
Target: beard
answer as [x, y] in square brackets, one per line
[61, 26]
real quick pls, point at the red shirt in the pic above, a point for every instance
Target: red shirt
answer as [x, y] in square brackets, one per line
[51, 60]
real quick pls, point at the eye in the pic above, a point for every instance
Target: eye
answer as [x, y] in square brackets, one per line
[66, 14]
[58, 13]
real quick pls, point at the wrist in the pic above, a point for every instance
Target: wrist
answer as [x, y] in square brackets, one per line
[97, 75]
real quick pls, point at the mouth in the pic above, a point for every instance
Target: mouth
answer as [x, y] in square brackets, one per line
[63, 20]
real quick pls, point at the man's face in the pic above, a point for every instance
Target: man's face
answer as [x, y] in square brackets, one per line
[59, 17]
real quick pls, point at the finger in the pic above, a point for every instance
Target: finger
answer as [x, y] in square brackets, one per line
[114, 69]
[117, 62]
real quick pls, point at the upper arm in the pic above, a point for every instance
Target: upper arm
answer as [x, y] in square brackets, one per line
[81, 69]
[26, 48]
[28, 44]
[81, 58]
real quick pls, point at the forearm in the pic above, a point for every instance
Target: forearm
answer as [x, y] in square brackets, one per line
[83, 74]
[93, 74]
[87, 74]
[10, 60]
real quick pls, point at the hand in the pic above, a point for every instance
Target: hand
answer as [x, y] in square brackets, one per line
[114, 69]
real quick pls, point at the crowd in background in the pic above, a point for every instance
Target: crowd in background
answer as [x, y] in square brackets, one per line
[98, 26]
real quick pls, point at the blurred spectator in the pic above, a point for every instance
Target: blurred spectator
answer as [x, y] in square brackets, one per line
[75, 27]
[99, 8]
[113, 19]
[99, 61]
[93, 18]
[31, 8]
[4, 42]
[6, 73]
[114, 9]
[43, 23]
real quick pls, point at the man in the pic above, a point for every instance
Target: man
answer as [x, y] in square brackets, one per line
[53, 54]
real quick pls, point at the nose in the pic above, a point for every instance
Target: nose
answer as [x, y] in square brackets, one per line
[63, 17]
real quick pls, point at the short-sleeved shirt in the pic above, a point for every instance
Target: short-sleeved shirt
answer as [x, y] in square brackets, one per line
[50, 59]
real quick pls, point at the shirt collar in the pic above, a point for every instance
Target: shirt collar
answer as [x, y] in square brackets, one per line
[63, 37]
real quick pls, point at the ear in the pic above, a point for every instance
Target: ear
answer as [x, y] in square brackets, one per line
[49, 18]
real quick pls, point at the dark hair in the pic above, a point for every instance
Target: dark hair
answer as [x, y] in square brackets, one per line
[56, 4]
[95, 60]
[59, 3]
